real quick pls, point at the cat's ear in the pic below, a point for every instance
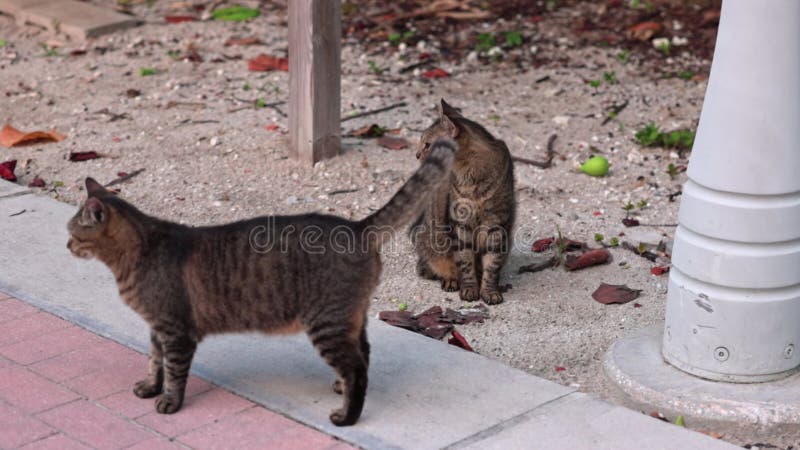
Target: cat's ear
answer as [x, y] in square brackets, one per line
[95, 211]
[446, 115]
[448, 111]
[93, 188]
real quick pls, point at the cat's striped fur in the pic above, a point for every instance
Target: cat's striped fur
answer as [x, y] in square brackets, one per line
[277, 274]
[464, 236]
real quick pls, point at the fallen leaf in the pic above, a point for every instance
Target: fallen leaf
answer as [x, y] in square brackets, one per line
[680, 422]
[234, 13]
[628, 222]
[83, 156]
[637, 305]
[179, 19]
[402, 319]
[467, 315]
[7, 170]
[587, 259]
[77, 52]
[659, 270]
[10, 137]
[615, 293]
[264, 63]
[459, 341]
[368, 131]
[659, 416]
[644, 31]
[243, 41]
[712, 434]
[393, 143]
[272, 127]
[37, 182]
[131, 93]
[560, 369]
[539, 266]
[542, 244]
[710, 17]
[435, 73]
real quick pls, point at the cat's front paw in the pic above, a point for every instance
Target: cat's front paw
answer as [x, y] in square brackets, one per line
[491, 297]
[146, 388]
[339, 418]
[469, 293]
[449, 285]
[168, 404]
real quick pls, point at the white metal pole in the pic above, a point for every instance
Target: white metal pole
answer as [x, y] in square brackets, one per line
[733, 308]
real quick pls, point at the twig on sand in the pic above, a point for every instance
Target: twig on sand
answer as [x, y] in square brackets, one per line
[614, 111]
[546, 164]
[124, 178]
[374, 111]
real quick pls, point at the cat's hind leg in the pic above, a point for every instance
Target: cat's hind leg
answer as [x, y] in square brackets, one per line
[342, 349]
[492, 262]
[152, 385]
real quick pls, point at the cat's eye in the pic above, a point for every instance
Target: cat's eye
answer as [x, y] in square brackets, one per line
[427, 145]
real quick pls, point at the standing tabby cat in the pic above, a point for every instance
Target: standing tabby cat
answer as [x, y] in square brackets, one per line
[278, 274]
[464, 236]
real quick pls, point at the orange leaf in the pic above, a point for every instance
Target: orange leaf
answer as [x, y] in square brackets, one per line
[10, 136]
[264, 63]
[644, 31]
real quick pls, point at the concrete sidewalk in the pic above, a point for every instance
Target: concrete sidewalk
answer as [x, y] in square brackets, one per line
[423, 393]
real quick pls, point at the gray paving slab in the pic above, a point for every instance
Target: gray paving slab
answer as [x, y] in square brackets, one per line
[10, 189]
[75, 19]
[423, 393]
[580, 421]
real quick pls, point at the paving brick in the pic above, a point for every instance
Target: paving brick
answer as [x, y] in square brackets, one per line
[11, 308]
[52, 344]
[94, 425]
[108, 380]
[31, 392]
[13, 7]
[157, 444]
[30, 326]
[199, 410]
[56, 442]
[129, 405]
[256, 428]
[90, 359]
[75, 19]
[17, 428]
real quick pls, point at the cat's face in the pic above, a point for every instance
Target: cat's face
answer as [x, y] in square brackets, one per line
[443, 127]
[92, 229]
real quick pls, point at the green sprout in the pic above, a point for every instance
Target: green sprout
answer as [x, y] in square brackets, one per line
[261, 103]
[50, 51]
[485, 42]
[595, 83]
[672, 170]
[598, 237]
[513, 39]
[652, 136]
[641, 248]
[2, 43]
[686, 75]
[665, 47]
[147, 71]
[247, 87]
[641, 204]
[610, 77]
[374, 68]
[402, 306]
[614, 242]
[624, 56]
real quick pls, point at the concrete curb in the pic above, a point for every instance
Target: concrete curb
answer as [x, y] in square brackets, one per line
[423, 393]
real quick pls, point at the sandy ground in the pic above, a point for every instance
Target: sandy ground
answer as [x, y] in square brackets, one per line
[229, 166]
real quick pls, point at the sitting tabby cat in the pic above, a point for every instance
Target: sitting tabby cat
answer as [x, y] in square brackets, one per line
[464, 236]
[190, 282]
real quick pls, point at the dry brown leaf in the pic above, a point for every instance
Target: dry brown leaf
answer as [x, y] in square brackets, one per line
[10, 137]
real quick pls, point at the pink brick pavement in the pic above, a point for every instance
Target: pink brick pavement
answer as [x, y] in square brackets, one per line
[63, 387]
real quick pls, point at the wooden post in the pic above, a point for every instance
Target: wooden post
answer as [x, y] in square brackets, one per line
[315, 33]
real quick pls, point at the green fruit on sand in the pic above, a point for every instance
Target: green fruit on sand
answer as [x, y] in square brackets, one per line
[596, 166]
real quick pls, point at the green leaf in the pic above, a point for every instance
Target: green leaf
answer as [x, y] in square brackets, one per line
[513, 38]
[2, 43]
[614, 241]
[394, 38]
[147, 71]
[686, 75]
[624, 56]
[610, 77]
[235, 13]
[679, 422]
[598, 237]
[485, 42]
[261, 103]
[247, 87]
[402, 306]
[594, 83]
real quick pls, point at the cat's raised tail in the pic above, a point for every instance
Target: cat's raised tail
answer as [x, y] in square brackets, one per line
[409, 201]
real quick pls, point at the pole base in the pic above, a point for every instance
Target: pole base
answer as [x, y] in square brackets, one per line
[644, 381]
